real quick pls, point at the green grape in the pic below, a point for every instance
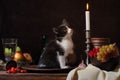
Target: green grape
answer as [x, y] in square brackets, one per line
[108, 50]
[112, 47]
[103, 47]
[104, 51]
[99, 57]
[101, 54]
[106, 46]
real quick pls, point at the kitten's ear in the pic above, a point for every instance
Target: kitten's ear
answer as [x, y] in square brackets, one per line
[55, 30]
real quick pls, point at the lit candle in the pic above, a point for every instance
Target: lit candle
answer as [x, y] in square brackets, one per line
[87, 15]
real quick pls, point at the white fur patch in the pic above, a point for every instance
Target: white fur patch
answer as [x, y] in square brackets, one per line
[67, 43]
[61, 60]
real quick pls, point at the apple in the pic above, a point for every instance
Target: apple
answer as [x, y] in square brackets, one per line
[28, 57]
[18, 56]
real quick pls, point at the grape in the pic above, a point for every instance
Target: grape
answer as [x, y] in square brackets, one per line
[112, 47]
[106, 46]
[99, 57]
[108, 50]
[104, 59]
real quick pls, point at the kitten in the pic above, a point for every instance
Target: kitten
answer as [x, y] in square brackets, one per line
[55, 53]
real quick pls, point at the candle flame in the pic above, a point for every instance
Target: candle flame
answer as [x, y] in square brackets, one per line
[87, 6]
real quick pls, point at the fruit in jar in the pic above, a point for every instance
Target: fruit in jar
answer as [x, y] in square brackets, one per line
[8, 51]
[18, 49]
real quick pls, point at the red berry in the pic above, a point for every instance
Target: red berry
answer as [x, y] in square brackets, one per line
[23, 71]
[8, 71]
[18, 69]
[13, 70]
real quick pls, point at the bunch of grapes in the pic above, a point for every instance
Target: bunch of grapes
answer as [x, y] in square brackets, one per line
[107, 52]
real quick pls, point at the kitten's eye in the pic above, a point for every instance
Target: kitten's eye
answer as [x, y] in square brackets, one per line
[64, 30]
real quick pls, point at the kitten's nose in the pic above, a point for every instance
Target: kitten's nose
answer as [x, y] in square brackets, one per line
[70, 30]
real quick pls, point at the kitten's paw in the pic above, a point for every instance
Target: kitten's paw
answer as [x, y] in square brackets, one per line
[41, 65]
[64, 67]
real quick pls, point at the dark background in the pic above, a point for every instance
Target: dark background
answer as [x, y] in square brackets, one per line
[28, 20]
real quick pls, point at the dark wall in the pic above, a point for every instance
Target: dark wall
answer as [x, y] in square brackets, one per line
[28, 20]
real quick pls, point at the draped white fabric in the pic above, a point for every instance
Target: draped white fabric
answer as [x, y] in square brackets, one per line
[93, 73]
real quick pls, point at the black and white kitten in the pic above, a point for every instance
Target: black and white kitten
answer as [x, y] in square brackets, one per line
[55, 53]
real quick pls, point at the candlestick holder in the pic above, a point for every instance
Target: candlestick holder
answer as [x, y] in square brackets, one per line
[88, 42]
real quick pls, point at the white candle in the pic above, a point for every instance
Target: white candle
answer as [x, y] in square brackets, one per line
[87, 15]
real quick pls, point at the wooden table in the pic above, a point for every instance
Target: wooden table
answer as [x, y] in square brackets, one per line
[32, 76]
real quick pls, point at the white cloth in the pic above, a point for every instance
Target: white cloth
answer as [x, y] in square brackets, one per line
[93, 73]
